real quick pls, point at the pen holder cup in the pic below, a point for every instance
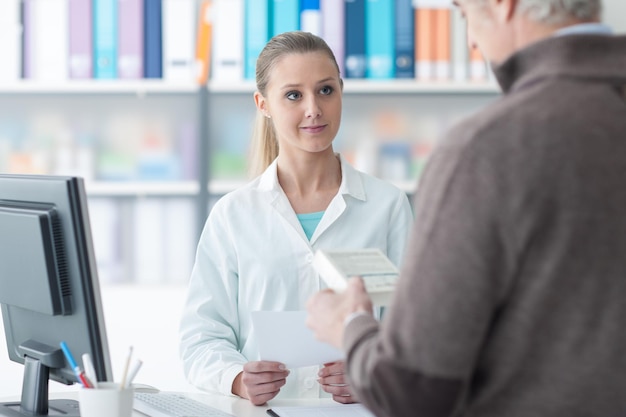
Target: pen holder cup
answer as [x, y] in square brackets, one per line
[108, 400]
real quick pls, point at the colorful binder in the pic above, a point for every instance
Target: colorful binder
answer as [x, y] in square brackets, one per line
[285, 16]
[257, 24]
[311, 17]
[46, 39]
[11, 40]
[228, 42]
[105, 23]
[81, 39]
[355, 58]
[152, 41]
[424, 43]
[404, 39]
[130, 51]
[380, 38]
[333, 29]
[179, 32]
[442, 47]
[203, 41]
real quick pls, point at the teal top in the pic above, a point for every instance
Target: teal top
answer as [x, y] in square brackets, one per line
[309, 222]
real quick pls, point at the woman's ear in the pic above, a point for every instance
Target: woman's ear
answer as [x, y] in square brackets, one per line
[261, 104]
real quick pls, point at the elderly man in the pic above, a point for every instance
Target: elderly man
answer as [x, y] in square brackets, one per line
[512, 297]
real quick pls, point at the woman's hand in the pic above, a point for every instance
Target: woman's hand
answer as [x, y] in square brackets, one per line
[260, 381]
[333, 380]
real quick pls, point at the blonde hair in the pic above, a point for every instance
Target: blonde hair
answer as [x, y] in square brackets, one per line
[264, 145]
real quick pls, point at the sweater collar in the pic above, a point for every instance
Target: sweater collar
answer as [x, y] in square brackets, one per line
[584, 56]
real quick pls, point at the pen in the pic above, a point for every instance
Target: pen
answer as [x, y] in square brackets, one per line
[125, 374]
[77, 371]
[90, 371]
[133, 371]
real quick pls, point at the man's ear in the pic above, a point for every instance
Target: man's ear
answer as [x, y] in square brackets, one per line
[503, 10]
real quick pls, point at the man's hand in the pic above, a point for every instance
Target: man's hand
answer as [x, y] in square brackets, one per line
[328, 310]
[333, 380]
[260, 381]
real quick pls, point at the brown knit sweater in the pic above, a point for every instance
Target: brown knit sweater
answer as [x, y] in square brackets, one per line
[512, 300]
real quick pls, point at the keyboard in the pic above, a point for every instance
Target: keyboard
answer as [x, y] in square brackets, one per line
[172, 404]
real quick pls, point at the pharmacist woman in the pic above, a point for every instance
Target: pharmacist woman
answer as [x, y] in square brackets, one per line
[258, 242]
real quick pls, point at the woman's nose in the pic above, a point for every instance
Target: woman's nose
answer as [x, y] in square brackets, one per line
[313, 110]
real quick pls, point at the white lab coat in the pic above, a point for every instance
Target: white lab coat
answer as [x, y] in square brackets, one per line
[253, 255]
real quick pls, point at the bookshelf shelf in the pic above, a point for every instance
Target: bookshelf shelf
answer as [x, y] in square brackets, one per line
[142, 188]
[139, 87]
[381, 87]
[221, 187]
[417, 87]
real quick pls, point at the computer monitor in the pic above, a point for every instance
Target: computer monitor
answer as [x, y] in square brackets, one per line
[49, 289]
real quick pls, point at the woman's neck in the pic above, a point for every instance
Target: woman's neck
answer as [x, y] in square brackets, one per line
[310, 183]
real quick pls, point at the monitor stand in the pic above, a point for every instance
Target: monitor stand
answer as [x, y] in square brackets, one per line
[37, 363]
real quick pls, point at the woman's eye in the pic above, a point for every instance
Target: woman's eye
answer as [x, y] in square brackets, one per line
[293, 95]
[326, 90]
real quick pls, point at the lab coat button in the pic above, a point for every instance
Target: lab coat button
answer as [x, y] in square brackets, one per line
[309, 259]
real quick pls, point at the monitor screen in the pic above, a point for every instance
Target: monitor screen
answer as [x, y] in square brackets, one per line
[49, 289]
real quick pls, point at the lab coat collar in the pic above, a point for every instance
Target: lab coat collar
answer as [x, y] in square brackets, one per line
[351, 181]
[351, 185]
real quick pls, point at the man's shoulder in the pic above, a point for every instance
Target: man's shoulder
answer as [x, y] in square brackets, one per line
[503, 121]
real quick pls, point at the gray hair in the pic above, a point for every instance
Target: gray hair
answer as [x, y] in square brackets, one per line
[559, 11]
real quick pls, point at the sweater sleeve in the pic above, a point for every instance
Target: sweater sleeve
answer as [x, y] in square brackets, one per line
[418, 361]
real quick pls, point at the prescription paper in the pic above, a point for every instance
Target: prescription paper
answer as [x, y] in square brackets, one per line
[282, 336]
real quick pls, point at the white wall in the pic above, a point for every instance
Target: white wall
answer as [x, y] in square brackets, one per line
[145, 317]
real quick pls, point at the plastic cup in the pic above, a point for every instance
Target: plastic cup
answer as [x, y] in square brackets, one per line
[108, 400]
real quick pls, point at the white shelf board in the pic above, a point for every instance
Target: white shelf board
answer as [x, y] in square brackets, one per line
[142, 188]
[223, 186]
[220, 187]
[404, 86]
[419, 87]
[139, 87]
[247, 86]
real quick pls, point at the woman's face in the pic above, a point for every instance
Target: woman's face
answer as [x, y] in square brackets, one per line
[303, 99]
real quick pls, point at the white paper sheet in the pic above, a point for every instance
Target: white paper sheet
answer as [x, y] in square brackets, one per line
[282, 336]
[335, 410]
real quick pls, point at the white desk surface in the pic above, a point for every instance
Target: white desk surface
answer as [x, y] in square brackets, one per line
[233, 405]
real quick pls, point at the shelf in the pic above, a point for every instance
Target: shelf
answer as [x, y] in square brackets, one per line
[221, 187]
[139, 87]
[231, 87]
[141, 188]
[142, 87]
[419, 87]
[380, 87]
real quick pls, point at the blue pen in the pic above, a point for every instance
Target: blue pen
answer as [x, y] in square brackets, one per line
[77, 371]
